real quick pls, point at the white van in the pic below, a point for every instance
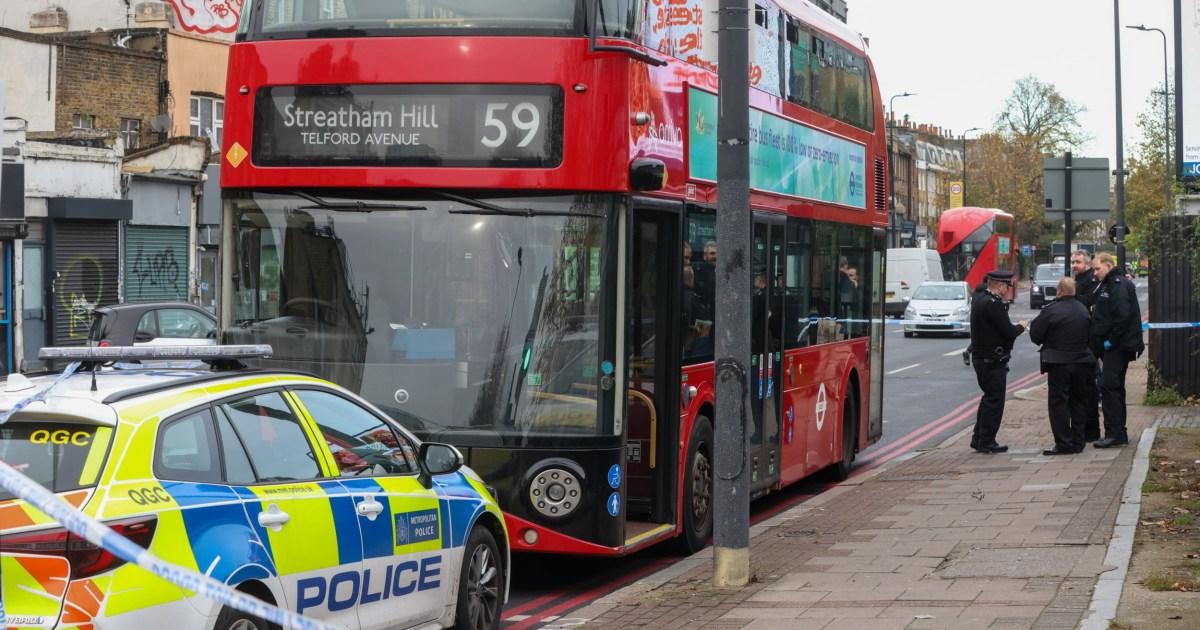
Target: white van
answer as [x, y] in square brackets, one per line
[907, 269]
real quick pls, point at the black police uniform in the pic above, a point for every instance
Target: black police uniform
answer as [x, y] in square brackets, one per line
[1085, 293]
[1117, 339]
[992, 337]
[966, 355]
[1062, 330]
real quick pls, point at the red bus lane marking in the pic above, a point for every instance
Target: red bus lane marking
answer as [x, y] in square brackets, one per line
[593, 593]
[885, 455]
[957, 415]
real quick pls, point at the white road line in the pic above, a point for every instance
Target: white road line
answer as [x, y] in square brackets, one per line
[907, 367]
[954, 352]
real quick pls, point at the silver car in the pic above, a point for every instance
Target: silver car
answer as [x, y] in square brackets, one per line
[939, 307]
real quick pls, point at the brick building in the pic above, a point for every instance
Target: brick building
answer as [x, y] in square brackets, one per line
[925, 160]
[120, 108]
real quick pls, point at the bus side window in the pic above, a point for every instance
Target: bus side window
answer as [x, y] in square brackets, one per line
[852, 273]
[699, 285]
[798, 329]
[799, 44]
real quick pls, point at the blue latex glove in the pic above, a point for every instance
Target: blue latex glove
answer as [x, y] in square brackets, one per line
[1107, 345]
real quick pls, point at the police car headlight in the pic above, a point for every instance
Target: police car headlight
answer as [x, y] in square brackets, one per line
[910, 313]
[555, 492]
[962, 310]
[1036, 289]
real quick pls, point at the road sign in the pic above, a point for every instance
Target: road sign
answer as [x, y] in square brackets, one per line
[1026, 250]
[956, 194]
[1089, 188]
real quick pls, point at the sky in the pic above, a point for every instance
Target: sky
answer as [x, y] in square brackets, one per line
[962, 57]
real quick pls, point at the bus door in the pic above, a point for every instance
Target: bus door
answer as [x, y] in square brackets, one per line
[654, 271]
[766, 348]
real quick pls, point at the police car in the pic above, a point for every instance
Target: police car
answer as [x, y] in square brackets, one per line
[281, 485]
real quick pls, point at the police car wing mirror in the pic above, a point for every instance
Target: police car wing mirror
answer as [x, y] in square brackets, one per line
[438, 459]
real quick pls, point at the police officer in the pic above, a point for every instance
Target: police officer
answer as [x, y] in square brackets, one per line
[1085, 294]
[1062, 332]
[1117, 339]
[992, 337]
[980, 288]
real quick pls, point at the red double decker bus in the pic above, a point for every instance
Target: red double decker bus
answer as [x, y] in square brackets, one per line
[974, 241]
[496, 221]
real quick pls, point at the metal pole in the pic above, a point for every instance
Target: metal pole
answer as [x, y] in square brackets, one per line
[1120, 172]
[731, 484]
[1166, 124]
[1067, 215]
[964, 147]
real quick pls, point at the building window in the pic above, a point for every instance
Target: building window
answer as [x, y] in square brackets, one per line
[208, 119]
[83, 121]
[131, 133]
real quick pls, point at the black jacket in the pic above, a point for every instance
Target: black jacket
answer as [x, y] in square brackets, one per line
[1085, 288]
[992, 335]
[1062, 330]
[1116, 316]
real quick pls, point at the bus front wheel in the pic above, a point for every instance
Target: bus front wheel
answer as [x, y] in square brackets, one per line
[698, 488]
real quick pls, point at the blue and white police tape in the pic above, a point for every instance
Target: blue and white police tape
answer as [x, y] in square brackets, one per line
[1169, 325]
[41, 395]
[100, 535]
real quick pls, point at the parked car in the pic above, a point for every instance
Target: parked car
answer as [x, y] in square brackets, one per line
[939, 307]
[152, 324]
[1044, 284]
[907, 269]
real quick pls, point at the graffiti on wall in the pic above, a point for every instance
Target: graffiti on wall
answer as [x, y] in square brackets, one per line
[153, 273]
[82, 285]
[208, 16]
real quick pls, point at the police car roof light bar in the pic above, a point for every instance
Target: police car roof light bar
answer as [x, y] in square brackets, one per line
[157, 353]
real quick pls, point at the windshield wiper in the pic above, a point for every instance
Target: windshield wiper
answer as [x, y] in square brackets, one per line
[354, 206]
[486, 207]
[336, 31]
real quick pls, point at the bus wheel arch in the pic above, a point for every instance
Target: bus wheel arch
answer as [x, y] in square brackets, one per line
[840, 471]
[697, 514]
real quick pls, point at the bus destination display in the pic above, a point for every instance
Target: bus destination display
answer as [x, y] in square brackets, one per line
[408, 125]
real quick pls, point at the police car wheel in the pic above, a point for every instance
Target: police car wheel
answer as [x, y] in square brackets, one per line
[233, 619]
[481, 583]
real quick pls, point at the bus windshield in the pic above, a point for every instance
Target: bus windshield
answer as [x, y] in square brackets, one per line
[957, 263]
[451, 313]
[272, 19]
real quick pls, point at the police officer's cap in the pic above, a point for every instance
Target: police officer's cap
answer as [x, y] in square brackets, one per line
[1000, 275]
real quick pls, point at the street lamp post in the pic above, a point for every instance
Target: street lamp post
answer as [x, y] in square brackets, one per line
[1166, 111]
[964, 160]
[1119, 172]
[891, 162]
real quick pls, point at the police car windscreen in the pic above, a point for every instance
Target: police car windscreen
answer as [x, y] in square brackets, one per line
[58, 456]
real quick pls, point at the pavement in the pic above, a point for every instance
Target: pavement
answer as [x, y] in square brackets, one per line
[949, 538]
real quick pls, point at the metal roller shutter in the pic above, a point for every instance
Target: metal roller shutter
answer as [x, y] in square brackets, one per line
[86, 264]
[155, 263]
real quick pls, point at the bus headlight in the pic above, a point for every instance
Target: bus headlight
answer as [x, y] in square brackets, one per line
[555, 492]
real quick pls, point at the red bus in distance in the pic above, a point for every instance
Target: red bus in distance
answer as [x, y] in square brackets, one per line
[974, 241]
[505, 239]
